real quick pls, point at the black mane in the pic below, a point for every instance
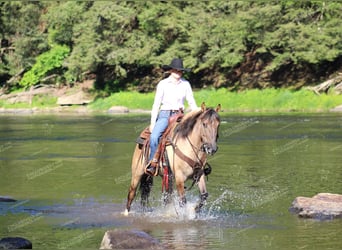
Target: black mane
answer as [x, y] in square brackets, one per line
[187, 125]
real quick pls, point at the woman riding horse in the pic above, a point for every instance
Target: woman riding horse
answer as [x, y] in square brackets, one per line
[190, 142]
[168, 101]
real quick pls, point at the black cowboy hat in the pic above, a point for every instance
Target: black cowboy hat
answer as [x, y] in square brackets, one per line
[177, 64]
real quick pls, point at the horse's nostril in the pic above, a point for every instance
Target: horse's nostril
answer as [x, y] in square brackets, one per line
[209, 149]
[214, 150]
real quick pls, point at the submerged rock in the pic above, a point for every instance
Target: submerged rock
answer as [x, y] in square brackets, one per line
[129, 239]
[320, 206]
[6, 199]
[15, 243]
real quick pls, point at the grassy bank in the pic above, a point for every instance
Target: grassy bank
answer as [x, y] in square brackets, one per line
[268, 100]
[39, 101]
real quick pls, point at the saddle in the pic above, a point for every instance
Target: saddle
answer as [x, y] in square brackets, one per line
[144, 138]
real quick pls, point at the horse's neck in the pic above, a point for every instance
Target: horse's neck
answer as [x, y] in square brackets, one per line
[192, 142]
[195, 138]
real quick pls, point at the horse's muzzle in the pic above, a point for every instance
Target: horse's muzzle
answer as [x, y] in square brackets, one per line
[209, 149]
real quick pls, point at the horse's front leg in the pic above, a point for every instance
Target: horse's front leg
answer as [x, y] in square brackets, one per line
[203, 191]
[180, 190]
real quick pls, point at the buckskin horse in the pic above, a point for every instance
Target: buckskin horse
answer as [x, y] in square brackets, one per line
[190, 141]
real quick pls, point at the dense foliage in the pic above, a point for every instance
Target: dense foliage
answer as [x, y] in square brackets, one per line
[233, 44]
[47, 61]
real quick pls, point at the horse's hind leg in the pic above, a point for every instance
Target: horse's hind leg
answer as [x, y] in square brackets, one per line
[145, 188]
[137, 172]
[168, 180]
[131, 193]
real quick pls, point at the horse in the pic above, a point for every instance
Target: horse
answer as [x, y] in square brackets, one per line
[192, 139]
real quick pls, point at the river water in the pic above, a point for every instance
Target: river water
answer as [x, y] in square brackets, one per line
[70, 176]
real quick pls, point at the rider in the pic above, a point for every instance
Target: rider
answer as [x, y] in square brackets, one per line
[168, 101]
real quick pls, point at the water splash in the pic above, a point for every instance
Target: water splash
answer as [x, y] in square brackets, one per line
[174, 212]
[215, 205]
[171, 212]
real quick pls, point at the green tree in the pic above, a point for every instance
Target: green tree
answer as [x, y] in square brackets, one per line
[60, 20]
[308, 34]
[23, 36]
[236, 44]
[45, 63]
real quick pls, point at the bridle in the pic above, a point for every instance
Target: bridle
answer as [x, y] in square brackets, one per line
[200, 165]
[200, 161]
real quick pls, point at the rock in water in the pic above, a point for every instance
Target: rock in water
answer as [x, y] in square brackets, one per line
[129, 239]
[15, 243]
[6, 199]
[320, 206]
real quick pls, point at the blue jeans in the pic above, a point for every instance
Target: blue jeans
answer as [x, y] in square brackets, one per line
[158, 130]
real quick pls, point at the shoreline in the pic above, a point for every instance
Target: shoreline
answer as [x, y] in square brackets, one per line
[70, 110]
[121, 110]
[78, 101]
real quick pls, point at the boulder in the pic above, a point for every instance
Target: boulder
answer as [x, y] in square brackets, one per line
[15, 243]
[78, 98]
[129, 239]
[337, 109]
[118, 110]
[320, 206]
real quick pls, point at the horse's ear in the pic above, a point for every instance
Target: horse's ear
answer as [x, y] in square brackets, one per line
[203, 106]
[218, 108]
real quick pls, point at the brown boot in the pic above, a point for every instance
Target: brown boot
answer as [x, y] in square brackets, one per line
[151, 168]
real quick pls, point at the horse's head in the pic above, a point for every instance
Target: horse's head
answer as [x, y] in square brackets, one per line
[202, 126]
[209, 122]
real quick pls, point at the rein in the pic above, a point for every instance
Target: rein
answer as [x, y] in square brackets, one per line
[197, 166]
[194, 164]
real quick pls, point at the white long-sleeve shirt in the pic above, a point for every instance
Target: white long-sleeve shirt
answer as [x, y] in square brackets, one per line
[171, 96]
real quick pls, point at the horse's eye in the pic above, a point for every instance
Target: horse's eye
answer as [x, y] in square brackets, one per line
[204, 125]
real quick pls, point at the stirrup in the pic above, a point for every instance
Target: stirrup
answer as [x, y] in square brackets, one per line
[151, 168]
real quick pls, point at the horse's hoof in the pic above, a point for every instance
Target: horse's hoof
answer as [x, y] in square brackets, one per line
[125, 213]
[197, 209]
